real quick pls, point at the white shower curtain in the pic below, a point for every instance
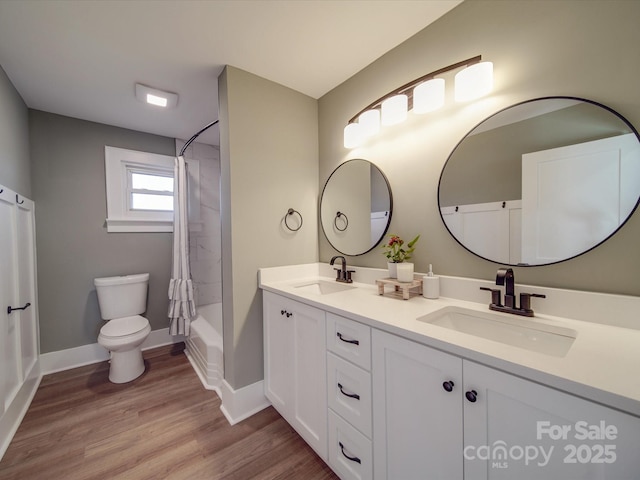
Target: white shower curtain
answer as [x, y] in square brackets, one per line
[182, 307]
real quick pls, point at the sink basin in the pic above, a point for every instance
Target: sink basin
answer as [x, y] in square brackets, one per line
[321, 287]
[518, 332]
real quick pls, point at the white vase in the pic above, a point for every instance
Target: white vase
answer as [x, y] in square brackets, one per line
[405, 272]
[393, 272]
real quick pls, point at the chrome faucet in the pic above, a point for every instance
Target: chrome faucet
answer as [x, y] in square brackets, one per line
[506, 278]
[342, 274]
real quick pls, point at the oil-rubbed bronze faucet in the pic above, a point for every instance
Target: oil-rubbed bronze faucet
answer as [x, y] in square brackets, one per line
[342, 274]
[505, 278]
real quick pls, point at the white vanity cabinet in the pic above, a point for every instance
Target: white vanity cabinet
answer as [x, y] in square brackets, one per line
[382, 395]
[437, 416]
[349, 398]
[295, 366]
[530, 431]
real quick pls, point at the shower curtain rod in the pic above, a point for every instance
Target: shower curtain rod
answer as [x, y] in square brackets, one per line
[190, 141]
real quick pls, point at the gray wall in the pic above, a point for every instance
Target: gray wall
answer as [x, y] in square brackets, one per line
[269, 163]
[14, 139]
[67, 164]
[575, 48]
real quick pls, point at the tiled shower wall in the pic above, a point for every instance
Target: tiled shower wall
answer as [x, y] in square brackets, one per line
[205, 252]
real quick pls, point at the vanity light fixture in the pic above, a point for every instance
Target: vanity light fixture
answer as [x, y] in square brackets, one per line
[353, 135]
[474, 82]
[422, 95]
[428, 96]
[369, 122]
[394, 109]
[156, 97]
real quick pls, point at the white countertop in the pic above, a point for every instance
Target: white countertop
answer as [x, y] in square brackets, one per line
[602, 364]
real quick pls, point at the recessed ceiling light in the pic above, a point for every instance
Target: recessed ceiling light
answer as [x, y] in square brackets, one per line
[156, 97]
[155, 100]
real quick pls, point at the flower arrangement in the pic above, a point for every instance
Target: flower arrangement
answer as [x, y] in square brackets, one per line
[395, 251]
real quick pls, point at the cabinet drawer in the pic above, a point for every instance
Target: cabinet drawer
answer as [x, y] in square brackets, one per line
[350, 340]
[349, 451]
[349, 390]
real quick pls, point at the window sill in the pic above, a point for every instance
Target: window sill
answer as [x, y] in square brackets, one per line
[145, 226]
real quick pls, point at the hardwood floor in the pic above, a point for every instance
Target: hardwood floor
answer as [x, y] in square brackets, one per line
[163, 425]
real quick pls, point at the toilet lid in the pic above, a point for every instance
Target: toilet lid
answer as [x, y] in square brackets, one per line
[119, 327]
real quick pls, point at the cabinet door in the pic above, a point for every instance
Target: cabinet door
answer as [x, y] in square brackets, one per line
[417, 424]
[295, 366]
[278, 354]
[516, 428]
[310, 372]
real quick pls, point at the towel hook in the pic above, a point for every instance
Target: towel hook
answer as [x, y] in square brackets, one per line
[13, 309]
[346, 221]
[290, 212]
[18, 200]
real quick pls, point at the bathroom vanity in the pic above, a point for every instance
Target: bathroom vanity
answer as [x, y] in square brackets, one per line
[390, 389]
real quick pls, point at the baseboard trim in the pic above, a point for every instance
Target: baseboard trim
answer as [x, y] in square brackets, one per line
[240, 404]
[12, 417]
[53, 362]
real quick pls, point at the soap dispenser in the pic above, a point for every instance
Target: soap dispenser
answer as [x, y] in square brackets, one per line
[430, 285]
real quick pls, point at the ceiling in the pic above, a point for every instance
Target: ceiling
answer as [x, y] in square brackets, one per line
[82, 58]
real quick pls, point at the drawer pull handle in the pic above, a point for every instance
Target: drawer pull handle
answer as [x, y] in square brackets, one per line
[350, 395]
[353, 459]
[355, 342]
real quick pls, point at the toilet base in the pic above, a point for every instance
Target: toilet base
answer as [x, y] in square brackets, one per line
[126, 366]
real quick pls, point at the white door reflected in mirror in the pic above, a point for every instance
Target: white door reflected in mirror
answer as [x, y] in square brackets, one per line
[541, 182]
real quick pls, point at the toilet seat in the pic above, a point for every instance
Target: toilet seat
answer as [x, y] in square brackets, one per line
[122, 327]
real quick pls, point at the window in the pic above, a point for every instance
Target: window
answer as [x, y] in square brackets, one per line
[149, 190]
[140, 191]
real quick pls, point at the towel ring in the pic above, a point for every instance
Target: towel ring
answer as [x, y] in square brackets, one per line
[346, 221]
[291, 211]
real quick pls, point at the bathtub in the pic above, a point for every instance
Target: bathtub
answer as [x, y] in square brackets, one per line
[204, 346]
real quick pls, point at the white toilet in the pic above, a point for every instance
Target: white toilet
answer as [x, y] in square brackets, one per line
[122, 300]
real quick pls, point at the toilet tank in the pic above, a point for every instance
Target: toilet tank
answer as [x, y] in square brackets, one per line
[122, 296]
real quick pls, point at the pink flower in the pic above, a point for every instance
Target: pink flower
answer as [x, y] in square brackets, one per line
[395, 239]
[394, 250]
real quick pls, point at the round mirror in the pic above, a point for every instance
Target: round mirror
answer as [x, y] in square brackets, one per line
[355, 207]
[542, 181]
